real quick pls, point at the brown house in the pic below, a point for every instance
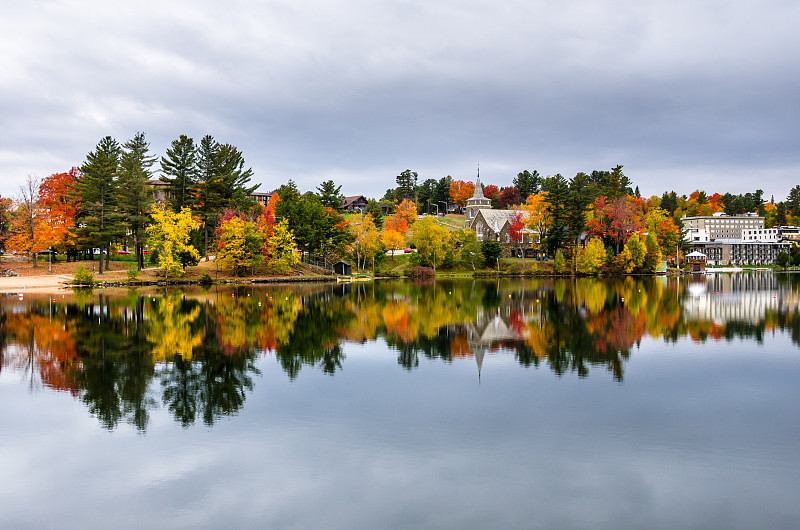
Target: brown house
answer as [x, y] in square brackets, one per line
[354, 203]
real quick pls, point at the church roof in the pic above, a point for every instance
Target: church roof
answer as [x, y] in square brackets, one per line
[496, 219]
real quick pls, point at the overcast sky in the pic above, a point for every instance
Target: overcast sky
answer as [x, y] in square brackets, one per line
[683, 94]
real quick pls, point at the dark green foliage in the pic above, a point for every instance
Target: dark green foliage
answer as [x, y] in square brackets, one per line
[617, 184]
[98, 215]
[135, 195]
[406, 186]
[491, 251]
[783, 259]
[330, 194]
[179, 169]
[741, 204]
[221, 183]
[669, 202]
[426, 197]
[527, 183]
[317, 229]
[374, 208]
[557, 197]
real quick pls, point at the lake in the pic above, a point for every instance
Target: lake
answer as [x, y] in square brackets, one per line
[627, 403]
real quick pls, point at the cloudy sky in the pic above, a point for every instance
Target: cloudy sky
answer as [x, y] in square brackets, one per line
[683, 94]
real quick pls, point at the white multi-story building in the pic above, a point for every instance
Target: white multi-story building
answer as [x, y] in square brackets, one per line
[734, 239]
[747, 227]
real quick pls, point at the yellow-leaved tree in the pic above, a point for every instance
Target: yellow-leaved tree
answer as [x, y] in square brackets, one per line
[282, 255]
[435, 244]
[536, 214]
[592, 258]
[169, 236]
[366, 238]
[239, 243]
[393, 240]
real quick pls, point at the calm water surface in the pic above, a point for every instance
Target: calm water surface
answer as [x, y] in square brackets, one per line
[515, 404]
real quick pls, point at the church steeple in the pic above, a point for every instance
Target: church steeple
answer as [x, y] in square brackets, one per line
[478, 194]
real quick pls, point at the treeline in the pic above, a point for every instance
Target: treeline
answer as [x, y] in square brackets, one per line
[109, 202]
[594, 222]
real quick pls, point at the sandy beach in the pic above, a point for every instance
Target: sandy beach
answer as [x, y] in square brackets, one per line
[39, 284]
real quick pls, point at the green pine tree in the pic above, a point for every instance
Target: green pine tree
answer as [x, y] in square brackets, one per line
[179, 170]
[97, 188]
[135, 195]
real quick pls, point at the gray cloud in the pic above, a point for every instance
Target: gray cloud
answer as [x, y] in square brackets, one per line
[682, 93]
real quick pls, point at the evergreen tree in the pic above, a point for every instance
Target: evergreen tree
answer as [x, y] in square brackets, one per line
[579, 199]
[793, 201]
[330, 194]
[179, 170]
[617, 184]
[374, 208]
[97, 188]
[135, 195]
[527, 183]
[406, 186]
[557, 198]
[207, 200]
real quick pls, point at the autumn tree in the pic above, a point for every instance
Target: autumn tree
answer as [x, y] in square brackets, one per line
[536, 214]
[366, 238]
[393, 240]
[592, 258]
[460, 191]
[135, 195]
[6, 208]
[265, 224]
[396, 223]
[653, 254]
[407, 210]
[238, 243]
[282, 252]
[169, 235]
[515, 232]
[97, 188]
[433, 241]
[509, 197]
[31, 233]
[61, 204]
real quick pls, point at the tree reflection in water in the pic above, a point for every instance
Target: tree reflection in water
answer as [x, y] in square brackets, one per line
[195, 352]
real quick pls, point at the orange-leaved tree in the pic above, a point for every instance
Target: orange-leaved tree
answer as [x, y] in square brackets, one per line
[29, 227]
[393, 240]
[61, 204]
[408, 211]
[460, 191]
[265, 224]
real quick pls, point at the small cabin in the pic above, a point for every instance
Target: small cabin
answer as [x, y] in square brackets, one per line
[342, 268]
